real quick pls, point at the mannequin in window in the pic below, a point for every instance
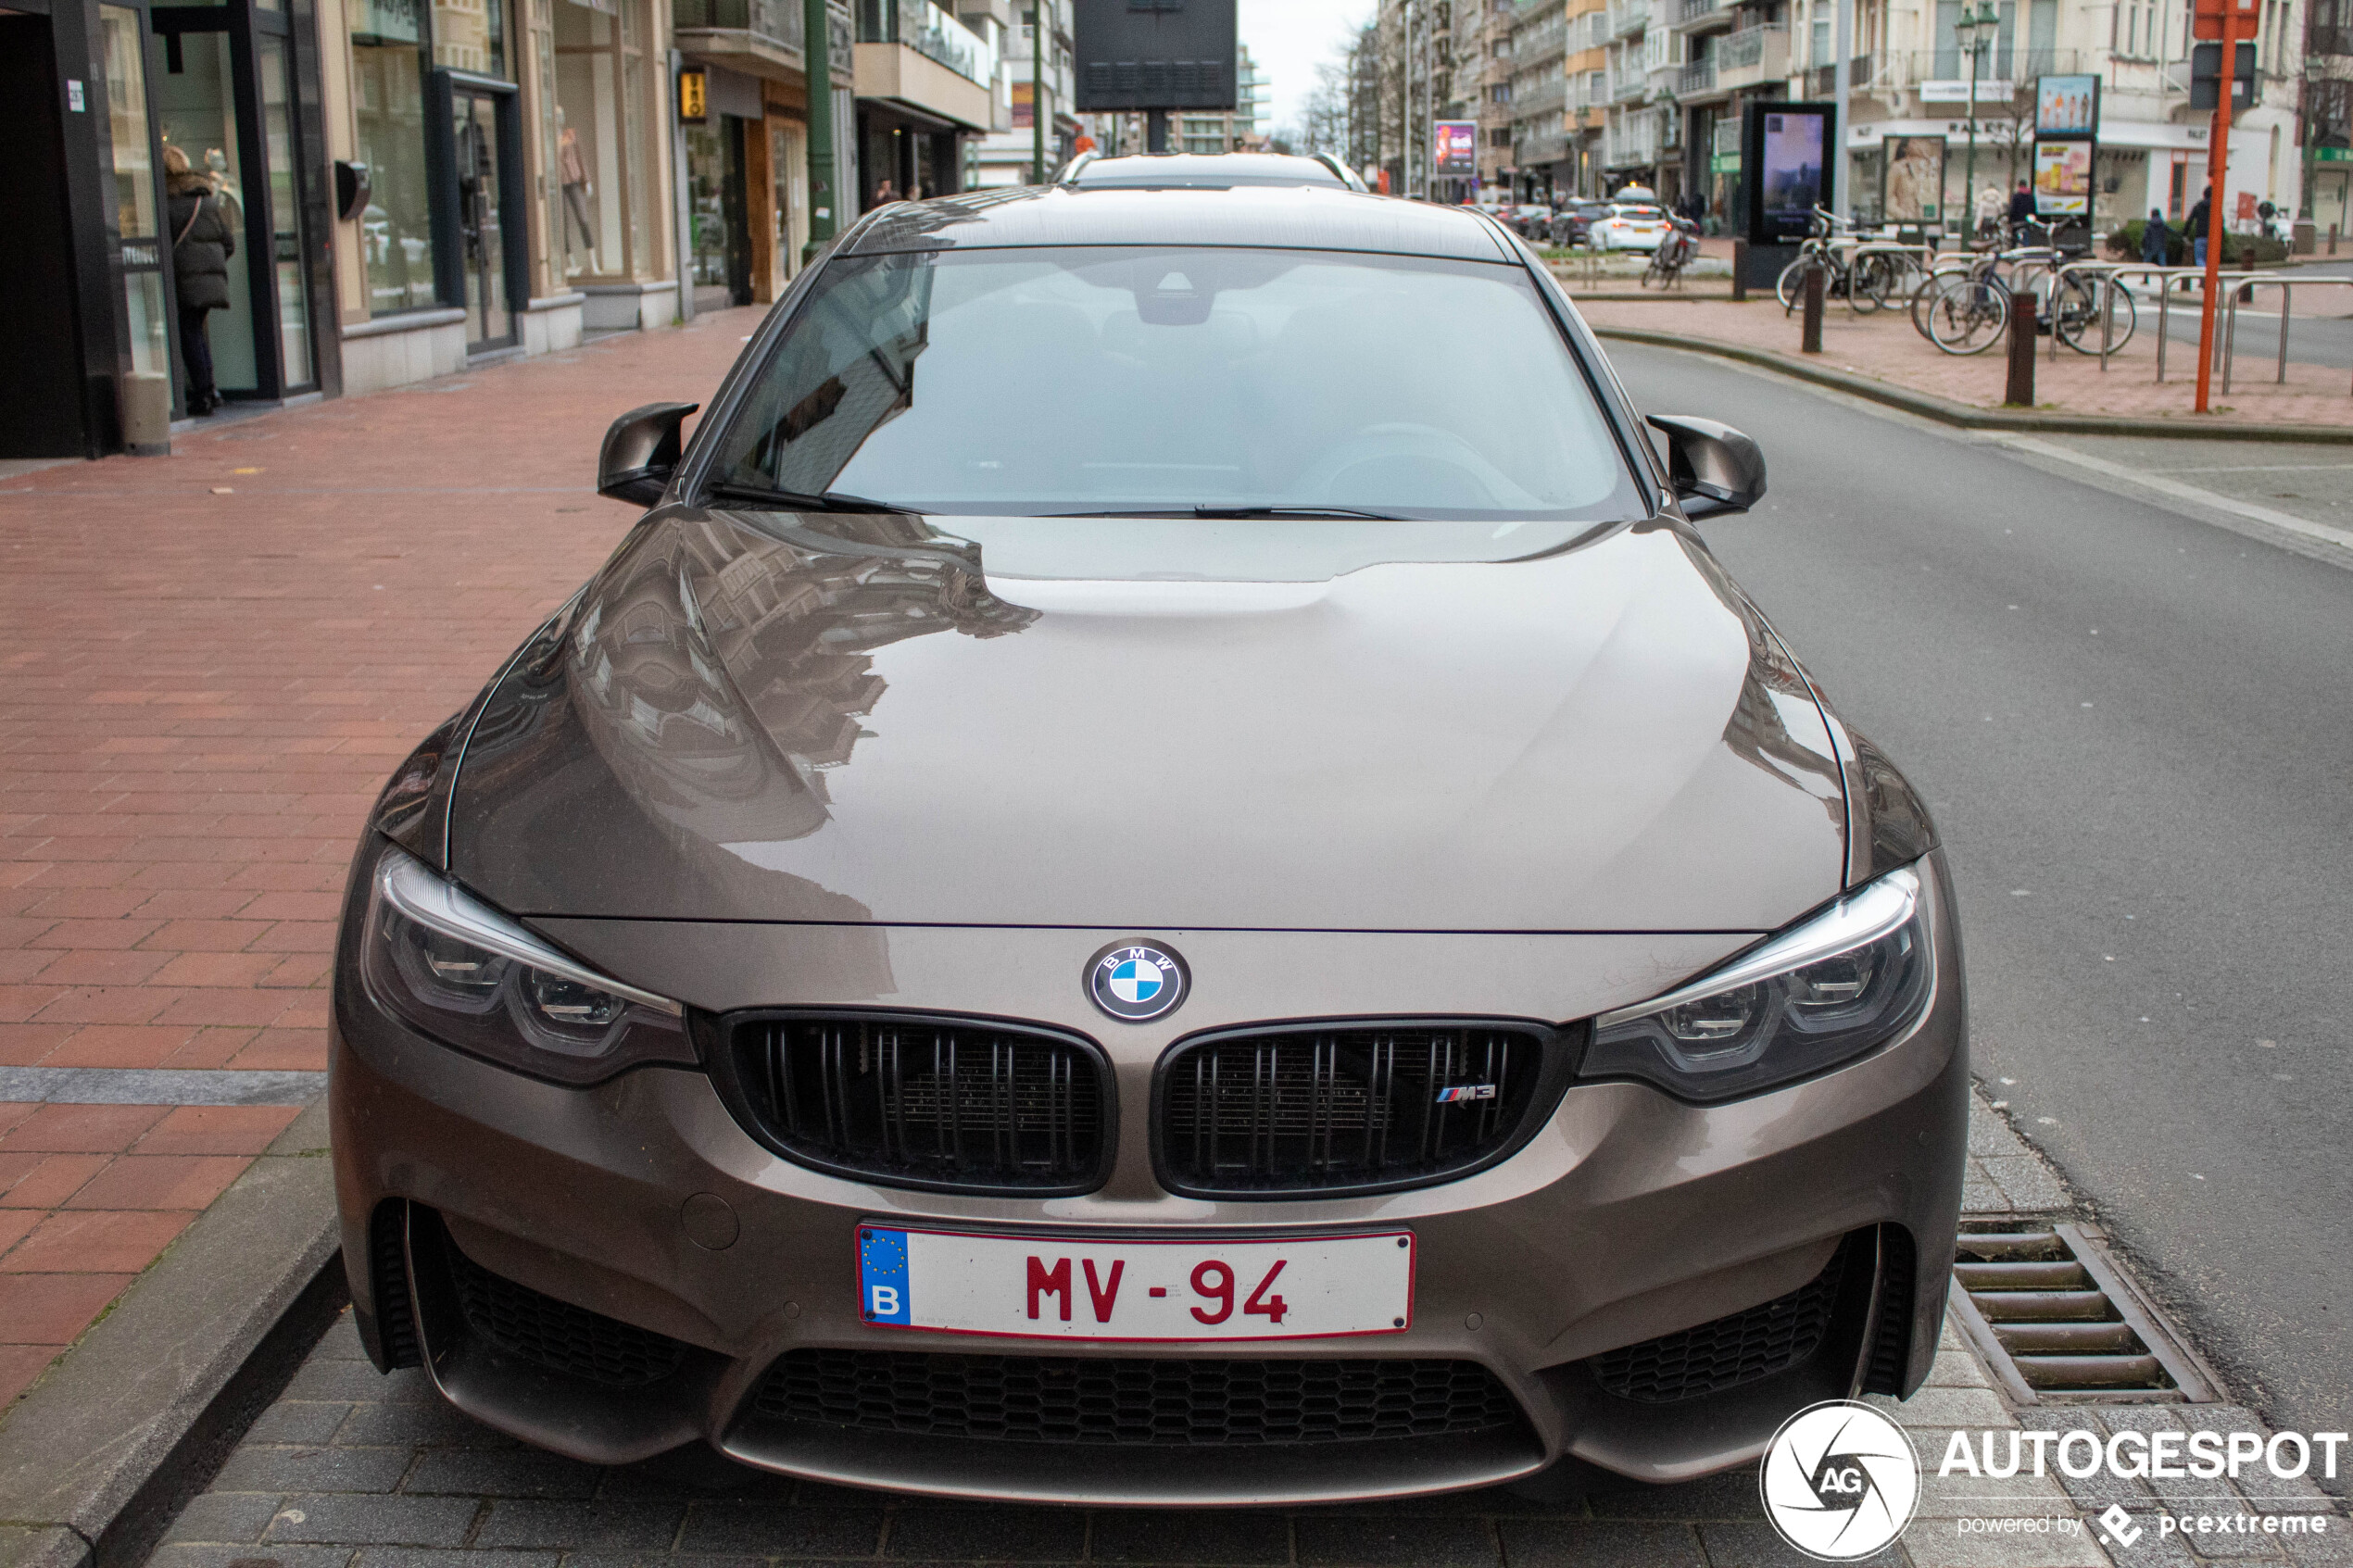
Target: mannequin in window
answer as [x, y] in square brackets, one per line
[572, 171]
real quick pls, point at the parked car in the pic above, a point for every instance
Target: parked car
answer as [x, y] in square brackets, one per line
[1295, 939]
[1572, 226]
[1528, 220]
[1629, 226]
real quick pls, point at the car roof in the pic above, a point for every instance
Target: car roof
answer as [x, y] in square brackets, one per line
[1298, 217]
[1153, 171]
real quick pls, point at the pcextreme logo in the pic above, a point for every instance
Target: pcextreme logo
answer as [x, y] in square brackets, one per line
[1840, 1481]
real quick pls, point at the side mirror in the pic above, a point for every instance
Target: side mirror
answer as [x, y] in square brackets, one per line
[1713, 467]
[641, 451]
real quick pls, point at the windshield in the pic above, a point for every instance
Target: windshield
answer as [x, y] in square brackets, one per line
[1094, 379]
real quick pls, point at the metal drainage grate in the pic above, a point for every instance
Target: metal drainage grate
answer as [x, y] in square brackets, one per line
[2055, 1320]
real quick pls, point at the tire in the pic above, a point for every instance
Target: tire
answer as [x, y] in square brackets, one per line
[2077, 320]
[1925, 289]
[1967, 315]
[1871, 283]
[1790, 287]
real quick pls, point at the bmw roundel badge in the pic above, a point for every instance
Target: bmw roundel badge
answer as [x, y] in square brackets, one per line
[1135, 981]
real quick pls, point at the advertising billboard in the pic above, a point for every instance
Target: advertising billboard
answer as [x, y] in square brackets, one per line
[1784, 147]
[1152, 54]
[2066, 107]
[2063, 179]
[1912, 180]
[1456, 148]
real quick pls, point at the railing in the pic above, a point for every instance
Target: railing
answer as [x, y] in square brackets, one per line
[1750, 48]
[1994, 63]
[1548, 92]
[1725, 139]
[1688, 11]
[1698, 76]
[1550, 148]
[1631, 87]
[1822, 81]
[1623, 147]
[779, 21]
[1627, 17]
[931, 33]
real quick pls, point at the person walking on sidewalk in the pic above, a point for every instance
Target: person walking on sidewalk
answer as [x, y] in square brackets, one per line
[2201, 216]
[202, 244]
[2156, 240]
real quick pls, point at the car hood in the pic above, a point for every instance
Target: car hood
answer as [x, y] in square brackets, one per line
[778, 717]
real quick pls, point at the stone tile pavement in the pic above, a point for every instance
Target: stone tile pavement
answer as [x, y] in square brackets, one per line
[1883, 346]
[212, 662]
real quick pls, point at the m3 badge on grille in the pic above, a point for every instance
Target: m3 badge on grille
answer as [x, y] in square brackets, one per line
[1134, 981]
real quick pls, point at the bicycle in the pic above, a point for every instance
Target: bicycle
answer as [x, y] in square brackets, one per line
[1674, 252]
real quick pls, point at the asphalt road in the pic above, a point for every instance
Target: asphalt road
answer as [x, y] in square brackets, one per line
[2135, 733]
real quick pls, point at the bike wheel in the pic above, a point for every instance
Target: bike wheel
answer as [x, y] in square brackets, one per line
[1790, 287]
[1872, 283]
[2078, 318]
[1968, 316]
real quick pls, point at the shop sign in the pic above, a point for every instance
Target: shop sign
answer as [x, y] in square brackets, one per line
[694, 95]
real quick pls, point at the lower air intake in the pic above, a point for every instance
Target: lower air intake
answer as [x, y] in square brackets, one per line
[559, 1335]
[1731, 1351]
[1163, 1403]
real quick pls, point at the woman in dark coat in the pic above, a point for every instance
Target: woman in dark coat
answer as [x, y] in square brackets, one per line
[202, 244]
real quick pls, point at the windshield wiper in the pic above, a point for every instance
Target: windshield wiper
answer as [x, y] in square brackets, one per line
[1220, 513]
[801, 501]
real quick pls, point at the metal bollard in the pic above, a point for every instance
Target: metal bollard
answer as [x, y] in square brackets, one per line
[2019, 393]
[1740, 267]
[1815, 281]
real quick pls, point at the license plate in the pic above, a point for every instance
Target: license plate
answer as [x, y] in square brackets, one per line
[1077, 1287]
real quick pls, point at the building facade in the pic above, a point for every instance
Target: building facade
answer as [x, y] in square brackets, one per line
[1544, 168]
[1005, 156]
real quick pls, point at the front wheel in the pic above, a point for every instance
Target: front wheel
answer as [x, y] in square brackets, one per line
[1968, 316]
[2077, 317]
[1790, 287]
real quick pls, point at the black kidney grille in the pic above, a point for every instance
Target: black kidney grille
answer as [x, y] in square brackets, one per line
[1164, 1403]
[559, 1335]
[1729, 1351]
[1315, 1109]
[932, 1103]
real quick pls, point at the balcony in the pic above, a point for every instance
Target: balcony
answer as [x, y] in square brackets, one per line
[1822, 81]
[1702, 16]
[1628, 18]
[1697, 81]
[1550, 148]
[1630, 88]
[759, 37]
[1540, 96]
[918, 55]
[1752, 55]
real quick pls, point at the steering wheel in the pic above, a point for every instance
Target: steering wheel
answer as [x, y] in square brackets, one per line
[1403, 464]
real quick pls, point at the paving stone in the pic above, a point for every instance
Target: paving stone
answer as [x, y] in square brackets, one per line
[504, 1472]
[329, 1378]
[1352, 1538]
[224, 1516]
[1941, 1543]
[306, 1421]
[262, 1467]
[1949, 1407]
[1153, 1536]
[1534, 1543]
[204, 1554]
[1760, 1545]
[360, 1519]
[1961, 1495]
[2333, 1549]
[603, 1527]
[770, 1530]
[438, 1425]
[1731, 1495]
[988, 1535]
[698, 1473]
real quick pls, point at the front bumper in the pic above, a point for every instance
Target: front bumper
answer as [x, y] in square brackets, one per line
[1627, 1217]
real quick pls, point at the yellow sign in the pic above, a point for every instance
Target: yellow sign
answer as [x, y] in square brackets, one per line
[693, 99]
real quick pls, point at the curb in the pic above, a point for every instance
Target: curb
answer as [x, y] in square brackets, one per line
[1945, 411]
[97, 1457]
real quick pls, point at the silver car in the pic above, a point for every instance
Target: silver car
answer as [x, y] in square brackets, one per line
[1165, 873]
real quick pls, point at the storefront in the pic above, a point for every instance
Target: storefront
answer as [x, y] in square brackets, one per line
[498, 169]
[97, 102]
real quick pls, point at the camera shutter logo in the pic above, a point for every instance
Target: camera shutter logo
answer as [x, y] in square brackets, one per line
[1840, 1481]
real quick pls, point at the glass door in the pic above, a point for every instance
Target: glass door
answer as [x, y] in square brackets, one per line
[482, 217]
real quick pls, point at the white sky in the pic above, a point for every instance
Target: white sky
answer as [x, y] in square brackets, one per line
[1288, 38]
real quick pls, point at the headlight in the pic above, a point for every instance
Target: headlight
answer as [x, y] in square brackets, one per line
[471, 978]
[1846, 982]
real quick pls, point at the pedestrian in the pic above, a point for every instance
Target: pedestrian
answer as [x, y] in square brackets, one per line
[1989, 209]
[2156, 240]
[202, 243]
[2022, 205]
[2200, 218]
[885, 193]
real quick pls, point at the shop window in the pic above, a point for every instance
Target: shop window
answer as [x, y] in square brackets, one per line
[593, 56]
[134, 184]
[471, 35]
[388, 111]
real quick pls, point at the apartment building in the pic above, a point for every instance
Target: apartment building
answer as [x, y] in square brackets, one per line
[1543, 165]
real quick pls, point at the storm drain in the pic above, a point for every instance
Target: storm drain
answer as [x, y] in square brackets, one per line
[2057, 1322]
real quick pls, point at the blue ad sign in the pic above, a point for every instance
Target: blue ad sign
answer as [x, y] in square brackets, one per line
[882, 1276]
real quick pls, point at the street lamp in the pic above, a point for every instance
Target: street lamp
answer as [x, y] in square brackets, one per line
[1980, 24]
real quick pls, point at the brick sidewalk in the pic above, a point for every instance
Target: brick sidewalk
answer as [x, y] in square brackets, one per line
[1884, 347]
[213, 660]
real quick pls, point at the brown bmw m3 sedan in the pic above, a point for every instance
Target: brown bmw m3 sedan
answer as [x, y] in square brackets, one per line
[1164, 872]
